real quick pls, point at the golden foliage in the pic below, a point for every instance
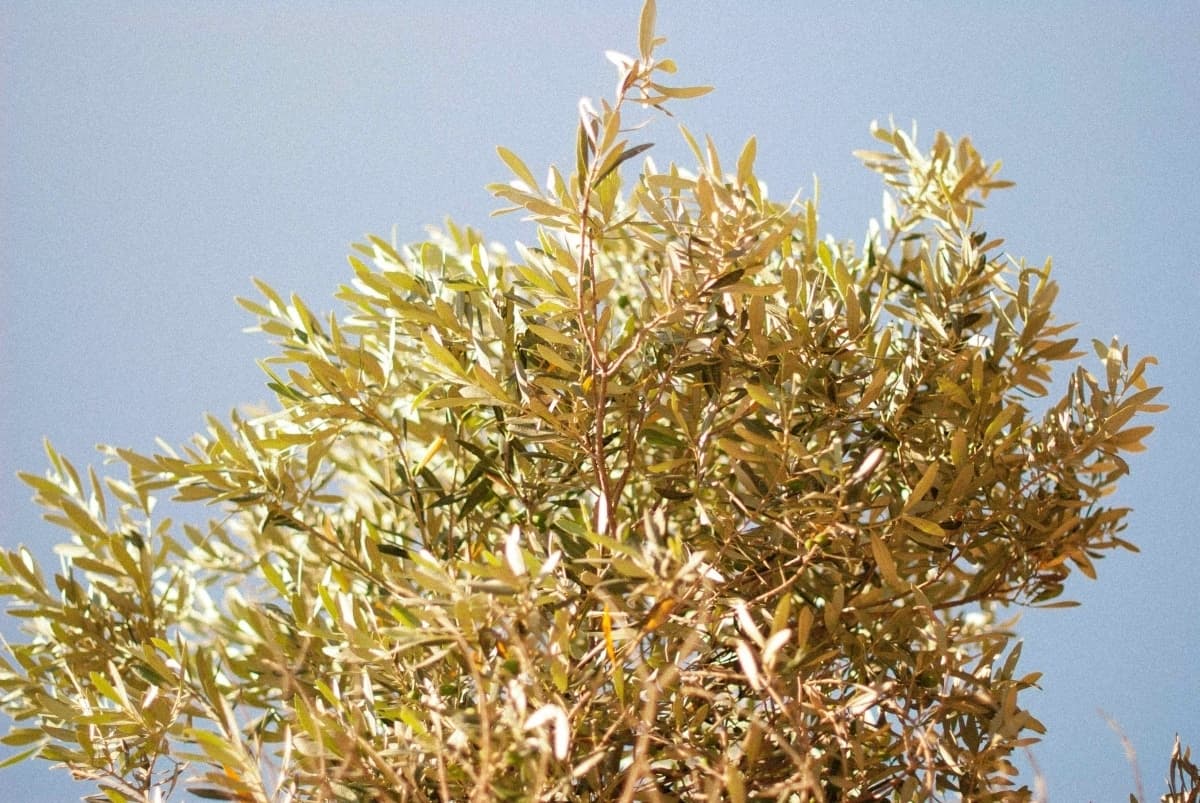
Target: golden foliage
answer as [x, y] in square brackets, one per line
[686, 501]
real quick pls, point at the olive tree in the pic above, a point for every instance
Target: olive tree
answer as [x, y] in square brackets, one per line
[685, 499]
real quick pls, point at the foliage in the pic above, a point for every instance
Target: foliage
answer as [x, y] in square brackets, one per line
[1183, 778]
[685, 500]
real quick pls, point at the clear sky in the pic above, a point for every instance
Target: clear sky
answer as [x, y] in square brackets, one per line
[155, 156]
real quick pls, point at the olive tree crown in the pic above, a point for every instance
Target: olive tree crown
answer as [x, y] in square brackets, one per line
[684, 500]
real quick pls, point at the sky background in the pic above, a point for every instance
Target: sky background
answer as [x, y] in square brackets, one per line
[154, 157]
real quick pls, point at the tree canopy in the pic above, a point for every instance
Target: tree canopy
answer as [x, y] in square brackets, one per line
[686, 499]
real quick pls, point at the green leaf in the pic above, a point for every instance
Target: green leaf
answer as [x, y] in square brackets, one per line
[481, 491]
[17, 758]
[925, 525]
[442, 356]
[113, 795]
[681, 92]
[23, 736]
[212, 793]
[646, 30]
[623, 156]
[884, 561]
[745, 162]
[518, 167]
[922, 487]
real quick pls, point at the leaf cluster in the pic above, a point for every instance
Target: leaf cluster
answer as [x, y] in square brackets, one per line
[683, 500]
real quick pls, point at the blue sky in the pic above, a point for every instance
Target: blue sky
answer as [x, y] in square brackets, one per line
[156, 156]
